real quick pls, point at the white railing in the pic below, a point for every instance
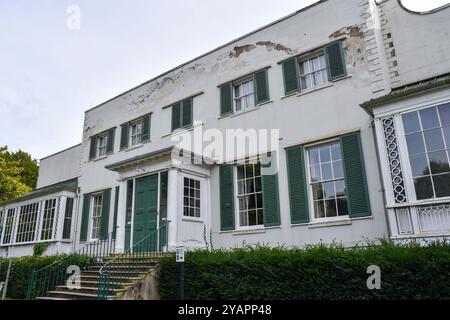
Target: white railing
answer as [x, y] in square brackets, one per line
[431, 220]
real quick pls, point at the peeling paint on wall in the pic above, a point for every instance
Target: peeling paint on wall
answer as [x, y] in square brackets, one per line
[352, 31]
[269, 45]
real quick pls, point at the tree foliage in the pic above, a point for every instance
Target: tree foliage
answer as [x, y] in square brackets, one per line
[18, 174]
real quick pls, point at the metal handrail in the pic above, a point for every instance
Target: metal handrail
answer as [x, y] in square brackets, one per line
[48, 277]
[120, 269]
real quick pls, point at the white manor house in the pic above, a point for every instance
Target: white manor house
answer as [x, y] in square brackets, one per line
[358, 94]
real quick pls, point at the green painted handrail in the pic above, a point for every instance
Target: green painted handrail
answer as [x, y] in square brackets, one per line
[123, 268]
[49, 277]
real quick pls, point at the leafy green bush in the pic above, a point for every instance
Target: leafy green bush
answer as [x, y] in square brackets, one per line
[22, 269]
[407, 272]
[39, 248]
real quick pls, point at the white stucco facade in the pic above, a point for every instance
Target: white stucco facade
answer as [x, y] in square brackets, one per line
[368, 32]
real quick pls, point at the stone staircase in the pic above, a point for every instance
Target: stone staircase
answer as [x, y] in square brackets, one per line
[124, 273]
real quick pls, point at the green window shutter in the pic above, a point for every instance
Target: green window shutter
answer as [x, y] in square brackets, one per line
[111, 136]
[355, 177]
[298, 194]
[335, 60]
[116, 210]
[93, 148]
[271, 202]
[85, 217]
[261, 86]
[187, 113]
[104, 223]
[290, 76]
[226, 197]
[226, 98]
[176, 116]
[146, 124]
[124, 136]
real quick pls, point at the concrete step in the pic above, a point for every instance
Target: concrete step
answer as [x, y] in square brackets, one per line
[50, 298]
[86, 290]
[96, 278]
[73, 295]
[121, 267]
[95, 284]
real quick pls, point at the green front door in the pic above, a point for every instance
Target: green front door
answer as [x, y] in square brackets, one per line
[146, 214]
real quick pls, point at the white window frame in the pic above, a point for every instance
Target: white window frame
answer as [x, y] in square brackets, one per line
[238, 226]
[54, 211]
[91, 216]
[324, 70]
[238, 83]
[26, 231]
[309, 187]
[138, 134]
[194, 198]
[404, 155]
[102, 148]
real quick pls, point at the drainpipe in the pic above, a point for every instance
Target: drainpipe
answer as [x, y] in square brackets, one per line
[75, 231]
[380, 176]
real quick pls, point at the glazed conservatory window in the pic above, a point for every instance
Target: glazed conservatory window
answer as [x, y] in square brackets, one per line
[48, 219]
[326, 181]
[249, 194]
[244, 95]
[136, 133]
[68, 219]
[313, 72]
[9, 226]
[102, 141]
[427, 134]
[96, 215]
[27, 223]
[191, 198]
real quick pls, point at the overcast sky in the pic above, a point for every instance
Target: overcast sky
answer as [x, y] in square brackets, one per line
[49, 74]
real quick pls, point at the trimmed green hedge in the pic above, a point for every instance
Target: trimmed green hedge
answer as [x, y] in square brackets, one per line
[407, 272]
[23, 267]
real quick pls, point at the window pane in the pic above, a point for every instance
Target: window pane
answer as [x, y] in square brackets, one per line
[438, 162]
[325, 154]
[442, 185]
[243, 220]
[444, 113]
[447, 136]
[424, 188]
[340, 188]
[419, 165]
[314, 156]
[259, 200]
[315, 173]
[331, 210]
[252, 218]
[240, 172]
[319, 209]
[415, 143]
[336, 152]
[429, 118]
[411, 122]
[434, 140]
[342, 206]
[317, 191]
[260, 217]
[326, 171]
[328, 189]
[338, 169]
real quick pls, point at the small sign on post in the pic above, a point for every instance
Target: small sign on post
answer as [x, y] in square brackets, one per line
[179, 254]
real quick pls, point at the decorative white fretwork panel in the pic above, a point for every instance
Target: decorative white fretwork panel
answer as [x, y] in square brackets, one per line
[404, 221]
[393, 155]
[434, 218]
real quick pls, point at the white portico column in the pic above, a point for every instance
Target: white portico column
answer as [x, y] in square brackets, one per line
[172, 207]
[121, 217]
